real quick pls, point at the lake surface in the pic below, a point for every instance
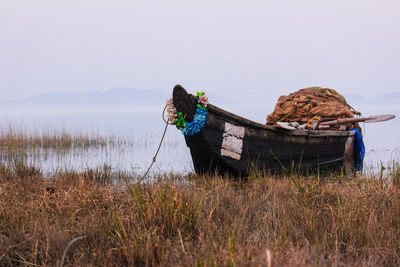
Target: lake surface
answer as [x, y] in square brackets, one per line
[133, 138]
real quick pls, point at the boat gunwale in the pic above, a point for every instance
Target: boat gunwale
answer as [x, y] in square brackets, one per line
[255, 125]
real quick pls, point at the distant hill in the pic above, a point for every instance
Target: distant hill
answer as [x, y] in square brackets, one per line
[384, 99]
[118, 99]
[392, 98]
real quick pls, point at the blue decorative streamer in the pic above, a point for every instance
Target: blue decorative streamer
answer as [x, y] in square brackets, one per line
[198, 122]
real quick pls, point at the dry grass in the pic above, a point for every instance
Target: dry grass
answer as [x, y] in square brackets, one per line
[73, 219]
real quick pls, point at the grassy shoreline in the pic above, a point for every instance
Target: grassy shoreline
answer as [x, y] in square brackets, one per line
[198, 221]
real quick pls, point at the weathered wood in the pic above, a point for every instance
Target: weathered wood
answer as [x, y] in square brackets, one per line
[230, 143]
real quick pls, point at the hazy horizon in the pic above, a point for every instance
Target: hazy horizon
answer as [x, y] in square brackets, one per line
[167, 91]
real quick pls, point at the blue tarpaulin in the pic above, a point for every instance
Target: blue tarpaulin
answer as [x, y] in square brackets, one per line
[359, 150]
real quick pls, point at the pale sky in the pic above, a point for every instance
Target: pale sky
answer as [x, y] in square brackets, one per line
[241, 49]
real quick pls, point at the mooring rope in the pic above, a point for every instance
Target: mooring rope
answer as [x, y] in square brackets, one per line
[159, 146]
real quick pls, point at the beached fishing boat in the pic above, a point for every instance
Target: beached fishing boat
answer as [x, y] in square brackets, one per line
[224, 142]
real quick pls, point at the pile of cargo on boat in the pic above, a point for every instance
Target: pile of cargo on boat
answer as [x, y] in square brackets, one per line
[306, 104]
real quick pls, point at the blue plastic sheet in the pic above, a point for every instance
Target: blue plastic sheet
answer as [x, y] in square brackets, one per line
[359, 150]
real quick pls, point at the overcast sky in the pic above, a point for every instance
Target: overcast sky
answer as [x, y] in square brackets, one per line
[242, 49]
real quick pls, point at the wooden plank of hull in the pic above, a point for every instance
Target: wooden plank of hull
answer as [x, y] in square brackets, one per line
[264, 148]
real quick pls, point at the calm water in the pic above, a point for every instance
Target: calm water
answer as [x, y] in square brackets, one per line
[139, 132]
[135, 135]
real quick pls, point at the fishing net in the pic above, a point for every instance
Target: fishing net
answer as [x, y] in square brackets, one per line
[304, 104]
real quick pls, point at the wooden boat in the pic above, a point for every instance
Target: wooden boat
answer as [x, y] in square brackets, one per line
[232, 144]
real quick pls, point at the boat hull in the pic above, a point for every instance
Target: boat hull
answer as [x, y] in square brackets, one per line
[231, 144]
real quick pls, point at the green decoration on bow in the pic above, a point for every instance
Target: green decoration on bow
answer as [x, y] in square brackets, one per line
[200, 94]
[180, 121]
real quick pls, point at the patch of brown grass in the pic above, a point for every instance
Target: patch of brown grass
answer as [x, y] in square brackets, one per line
[198, 221]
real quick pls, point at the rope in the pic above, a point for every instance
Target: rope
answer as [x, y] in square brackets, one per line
[316, 119]
[159, 146]
[167, 121]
